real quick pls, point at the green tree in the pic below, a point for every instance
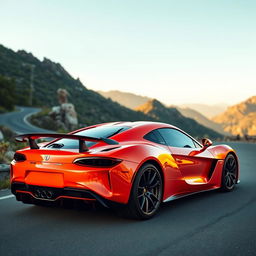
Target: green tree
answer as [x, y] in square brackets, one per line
[7, 93]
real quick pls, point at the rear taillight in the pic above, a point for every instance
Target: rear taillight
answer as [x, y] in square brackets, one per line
[18, 157]
[97, 161]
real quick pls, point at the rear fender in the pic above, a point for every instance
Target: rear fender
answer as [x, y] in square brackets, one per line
[141, 154]
[221, 151]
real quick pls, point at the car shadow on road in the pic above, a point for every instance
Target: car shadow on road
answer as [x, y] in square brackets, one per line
[192, 206]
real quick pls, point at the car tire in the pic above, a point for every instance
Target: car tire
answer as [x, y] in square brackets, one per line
[229, 173]
[146, 194]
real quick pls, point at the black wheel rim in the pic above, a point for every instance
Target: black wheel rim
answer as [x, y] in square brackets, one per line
[149, 191]
[230, 173]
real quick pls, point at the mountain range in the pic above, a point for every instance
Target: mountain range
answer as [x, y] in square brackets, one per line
[161, 113]
[132, 101]
[208, 111]
[191, 113]
[91, 106]
[239, 119]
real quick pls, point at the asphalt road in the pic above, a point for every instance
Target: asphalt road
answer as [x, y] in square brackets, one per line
[17, 120]
[211, 223]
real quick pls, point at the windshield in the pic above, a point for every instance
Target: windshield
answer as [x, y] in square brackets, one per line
[97, 132]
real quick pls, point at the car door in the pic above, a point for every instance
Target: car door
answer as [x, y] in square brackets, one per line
[193, 161]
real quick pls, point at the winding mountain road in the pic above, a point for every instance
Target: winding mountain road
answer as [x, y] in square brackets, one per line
[17, 120]
[207, 224]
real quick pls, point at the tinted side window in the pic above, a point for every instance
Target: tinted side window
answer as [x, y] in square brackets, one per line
[154, 136]
[175, 138]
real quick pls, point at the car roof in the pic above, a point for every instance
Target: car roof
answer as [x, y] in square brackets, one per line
[149, 124]
[138, 129]
[144, 126]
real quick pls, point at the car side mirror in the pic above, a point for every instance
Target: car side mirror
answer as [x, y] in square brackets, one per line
[206, 142]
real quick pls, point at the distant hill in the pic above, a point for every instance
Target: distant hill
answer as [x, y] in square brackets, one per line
[201, 119]
[127, 99]
[132, 101]
[240, 118]
[206, 110]
[48, 77]
[171, 115]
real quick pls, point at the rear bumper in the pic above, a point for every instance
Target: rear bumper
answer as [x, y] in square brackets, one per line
[53, 194]
[112, 184]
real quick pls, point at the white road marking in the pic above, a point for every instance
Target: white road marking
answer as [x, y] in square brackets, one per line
[26, 117]
[6, 197]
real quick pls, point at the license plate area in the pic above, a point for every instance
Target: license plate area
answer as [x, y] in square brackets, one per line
[48, 179]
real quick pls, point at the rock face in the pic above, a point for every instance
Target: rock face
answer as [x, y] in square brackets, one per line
[239, 119]
[64, 115]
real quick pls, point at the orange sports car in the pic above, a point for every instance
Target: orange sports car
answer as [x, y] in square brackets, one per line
[137, 165]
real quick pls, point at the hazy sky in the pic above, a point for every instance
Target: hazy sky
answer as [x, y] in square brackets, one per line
[182, 51]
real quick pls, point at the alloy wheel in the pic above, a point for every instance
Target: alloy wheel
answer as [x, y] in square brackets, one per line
[149, 190]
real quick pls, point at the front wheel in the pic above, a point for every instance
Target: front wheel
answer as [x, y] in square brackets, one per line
[146, 193]
[229, 173]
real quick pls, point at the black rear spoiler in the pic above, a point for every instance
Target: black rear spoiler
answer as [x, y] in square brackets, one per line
[31, 137]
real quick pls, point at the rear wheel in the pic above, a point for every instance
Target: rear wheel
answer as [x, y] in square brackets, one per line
[229, 173]
[146, 193]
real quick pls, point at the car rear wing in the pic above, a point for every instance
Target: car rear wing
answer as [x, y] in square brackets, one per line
[31, 138]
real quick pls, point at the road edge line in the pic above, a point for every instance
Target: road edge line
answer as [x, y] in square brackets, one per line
[6, 197]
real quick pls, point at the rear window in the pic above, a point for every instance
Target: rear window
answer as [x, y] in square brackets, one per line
[97, 132]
